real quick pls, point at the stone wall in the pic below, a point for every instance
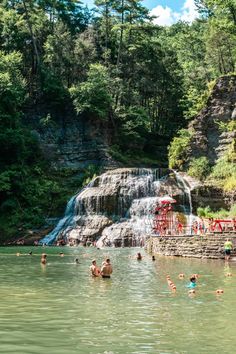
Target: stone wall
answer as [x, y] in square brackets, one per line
[208, 246]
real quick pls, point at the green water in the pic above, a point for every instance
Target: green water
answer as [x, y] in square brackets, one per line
[60, 309]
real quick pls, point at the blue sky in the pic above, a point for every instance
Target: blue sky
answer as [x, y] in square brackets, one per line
[175, 5]
[167, 12]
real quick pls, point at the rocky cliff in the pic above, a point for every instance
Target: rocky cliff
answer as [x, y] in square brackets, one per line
[208, 139]
[212, 139]
[69, 141]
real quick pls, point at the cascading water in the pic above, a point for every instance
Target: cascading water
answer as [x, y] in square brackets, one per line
[63, 223]
[186, 201]
[117, 207]
[68, 221]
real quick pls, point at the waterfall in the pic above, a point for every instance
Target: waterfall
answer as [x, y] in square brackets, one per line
[117, 208]
[68, 220]
[106, 199]
[186, 202]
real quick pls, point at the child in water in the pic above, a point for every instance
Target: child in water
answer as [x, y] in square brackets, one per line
[192, 284]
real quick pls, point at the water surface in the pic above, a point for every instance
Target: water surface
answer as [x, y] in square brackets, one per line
[60, 309]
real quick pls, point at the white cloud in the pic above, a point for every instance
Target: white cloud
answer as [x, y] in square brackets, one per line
[165, 16]
[189, 11]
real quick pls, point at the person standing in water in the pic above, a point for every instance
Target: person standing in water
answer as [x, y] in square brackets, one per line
[106, 269]
[95, 271]
[228, 246]
[43, 258]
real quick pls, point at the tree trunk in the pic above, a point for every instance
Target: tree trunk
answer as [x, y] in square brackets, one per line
[121, 35]
[37, 64]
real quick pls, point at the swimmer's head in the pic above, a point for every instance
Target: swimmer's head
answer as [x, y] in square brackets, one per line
[229, 274]
[108, 260]
[94, 261]
[219, 291]
[181, 275]
[193, 279]
[44, 255]
[192, 292]
[153, 258]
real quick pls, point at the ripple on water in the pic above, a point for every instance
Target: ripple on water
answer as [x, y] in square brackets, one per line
[62, 310]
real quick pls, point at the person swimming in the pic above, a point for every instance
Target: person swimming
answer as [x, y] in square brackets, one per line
[139, 256]
[76, 260]
[192, 284]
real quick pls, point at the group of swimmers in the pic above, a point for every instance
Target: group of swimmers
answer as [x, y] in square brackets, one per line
[105, 271]
[192, 284]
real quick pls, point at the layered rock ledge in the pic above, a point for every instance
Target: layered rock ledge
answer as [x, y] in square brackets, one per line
[207, 246]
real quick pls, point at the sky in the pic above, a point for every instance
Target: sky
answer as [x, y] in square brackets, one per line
[167, 11]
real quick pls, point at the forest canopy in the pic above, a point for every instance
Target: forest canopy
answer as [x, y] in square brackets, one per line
[110, 63]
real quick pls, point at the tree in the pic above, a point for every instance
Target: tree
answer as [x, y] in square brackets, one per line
[93, 95]
[59, 53]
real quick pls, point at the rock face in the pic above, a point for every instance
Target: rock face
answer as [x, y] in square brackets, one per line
[208, 140]
[208, 246]
[214, 197]
[72, 142]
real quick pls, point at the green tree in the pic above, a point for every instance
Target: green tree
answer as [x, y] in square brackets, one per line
[93, 95]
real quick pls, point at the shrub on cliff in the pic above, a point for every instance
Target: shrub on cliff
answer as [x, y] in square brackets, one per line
[199, 168]
[224, 171]
[178, 149]
[207, 212]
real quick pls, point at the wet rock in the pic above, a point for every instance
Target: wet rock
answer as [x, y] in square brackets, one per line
[89, 228]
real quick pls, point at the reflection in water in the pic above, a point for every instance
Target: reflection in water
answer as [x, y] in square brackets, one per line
[62, 309]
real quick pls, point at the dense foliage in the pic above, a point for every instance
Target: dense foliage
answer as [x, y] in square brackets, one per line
[179, 148]
[112, 64]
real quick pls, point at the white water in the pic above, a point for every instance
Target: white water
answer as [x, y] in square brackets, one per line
[118, 207]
